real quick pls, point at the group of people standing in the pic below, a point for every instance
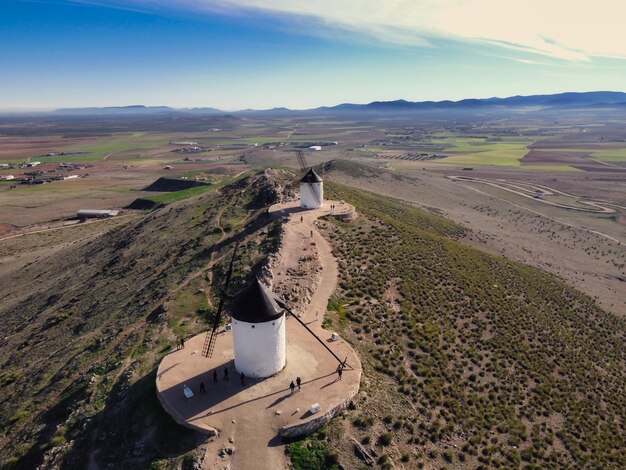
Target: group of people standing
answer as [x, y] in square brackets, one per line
[242, 377]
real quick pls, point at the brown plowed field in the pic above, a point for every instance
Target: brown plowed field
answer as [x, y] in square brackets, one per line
[579, 160]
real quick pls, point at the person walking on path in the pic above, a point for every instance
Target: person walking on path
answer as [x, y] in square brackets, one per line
[299, 382]
[292, 387]
[301, 219]
[311, 233]
[225, 373]
[243, 379]
[214, 376]
[202, 389]
[339, 371]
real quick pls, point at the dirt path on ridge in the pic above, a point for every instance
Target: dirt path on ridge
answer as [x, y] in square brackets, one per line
[297, 238]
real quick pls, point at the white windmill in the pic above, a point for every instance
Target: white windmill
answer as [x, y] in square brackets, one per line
[258, 331]
[258, 325]
[311, 186]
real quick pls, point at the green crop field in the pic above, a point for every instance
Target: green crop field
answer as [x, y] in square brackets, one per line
[615, 155]
[115, 145]
[480, 152]
[550, 168]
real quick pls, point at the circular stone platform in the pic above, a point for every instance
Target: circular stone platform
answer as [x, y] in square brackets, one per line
[258, 412]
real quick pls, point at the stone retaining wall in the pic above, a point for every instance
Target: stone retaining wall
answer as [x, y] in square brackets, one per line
[292, 431]
[208, 431]
[345, 215]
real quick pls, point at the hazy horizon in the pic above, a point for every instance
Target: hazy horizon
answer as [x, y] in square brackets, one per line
[47, 110]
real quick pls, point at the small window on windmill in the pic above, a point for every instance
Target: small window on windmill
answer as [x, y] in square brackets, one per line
[252, 326]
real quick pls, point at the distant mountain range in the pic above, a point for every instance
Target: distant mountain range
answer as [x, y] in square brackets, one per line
[613, 99]
[133, 109]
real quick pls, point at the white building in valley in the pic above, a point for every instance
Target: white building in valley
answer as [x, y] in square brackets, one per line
[258, 325]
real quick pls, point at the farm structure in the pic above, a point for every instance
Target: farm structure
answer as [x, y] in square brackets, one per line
[96, 213]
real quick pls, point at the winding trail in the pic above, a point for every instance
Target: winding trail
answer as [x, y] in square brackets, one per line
[593, 206]
[520, 206]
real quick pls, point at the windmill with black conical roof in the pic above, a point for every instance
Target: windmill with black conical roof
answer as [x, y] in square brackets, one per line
[311, 186]
[258, 326]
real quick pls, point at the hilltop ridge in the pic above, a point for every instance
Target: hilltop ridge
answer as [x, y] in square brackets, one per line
[469, 358]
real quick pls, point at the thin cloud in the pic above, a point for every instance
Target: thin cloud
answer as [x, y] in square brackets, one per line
[562, 29]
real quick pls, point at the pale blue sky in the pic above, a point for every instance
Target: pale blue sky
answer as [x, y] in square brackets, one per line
[235, 54]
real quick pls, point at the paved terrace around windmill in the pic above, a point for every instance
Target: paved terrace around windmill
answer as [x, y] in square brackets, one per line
[254, 413]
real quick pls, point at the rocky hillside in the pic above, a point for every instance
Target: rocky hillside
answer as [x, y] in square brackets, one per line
[83, 329]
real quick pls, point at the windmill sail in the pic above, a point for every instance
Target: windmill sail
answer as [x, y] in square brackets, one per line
[211, 337]
[283, 305]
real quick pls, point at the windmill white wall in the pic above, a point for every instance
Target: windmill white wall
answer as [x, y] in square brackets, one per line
[311, 195]
[259, 347]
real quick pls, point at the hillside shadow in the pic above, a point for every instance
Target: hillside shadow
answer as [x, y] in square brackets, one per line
[130, 431]
[51, 420]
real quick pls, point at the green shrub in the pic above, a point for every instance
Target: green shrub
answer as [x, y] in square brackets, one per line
[385, 439]
[311, 455]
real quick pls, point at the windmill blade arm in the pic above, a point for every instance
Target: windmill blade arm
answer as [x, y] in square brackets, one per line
[316, 195]
[322, 342]
[223, 294]
[302, 160]
[207, 349]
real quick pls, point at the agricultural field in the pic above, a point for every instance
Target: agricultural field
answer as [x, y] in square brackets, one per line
[582, 161]
[615, 155]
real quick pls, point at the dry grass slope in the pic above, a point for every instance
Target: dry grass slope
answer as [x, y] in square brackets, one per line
[83, 330]
[471, 359]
